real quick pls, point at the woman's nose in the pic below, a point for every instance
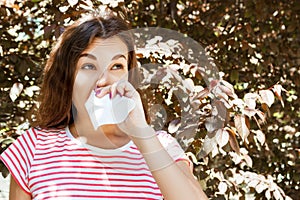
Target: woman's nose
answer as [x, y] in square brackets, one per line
[106, 78]
[103, 79]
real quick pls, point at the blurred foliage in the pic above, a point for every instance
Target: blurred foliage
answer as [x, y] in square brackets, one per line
[255, 43]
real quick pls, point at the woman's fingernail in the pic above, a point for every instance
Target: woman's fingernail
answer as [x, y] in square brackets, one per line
[110, 95]
[98, 91]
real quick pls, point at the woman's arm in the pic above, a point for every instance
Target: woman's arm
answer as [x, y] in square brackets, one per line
[16, 192]
[174, 179]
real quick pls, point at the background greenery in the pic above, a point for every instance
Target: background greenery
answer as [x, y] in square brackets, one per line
[255, 43]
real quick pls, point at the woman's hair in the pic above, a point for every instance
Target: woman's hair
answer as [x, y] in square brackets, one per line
[55, 110]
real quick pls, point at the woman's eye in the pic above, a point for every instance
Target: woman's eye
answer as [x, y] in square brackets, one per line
[117, 66]
[88, 66]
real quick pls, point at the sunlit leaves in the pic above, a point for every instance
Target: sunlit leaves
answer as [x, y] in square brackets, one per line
[111, 3]
[241, 126]
[72, 2]
[277, 89]
[222, 187]
[260, 136]
[174, 126]
[222, 137]
[267, 97]
[31, 90]
[233, 141]
[209, 144]
[250, 100]
[15, 91]
[260, 183]
[218, 117]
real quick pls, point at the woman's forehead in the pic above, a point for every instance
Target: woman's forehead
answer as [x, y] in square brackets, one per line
[112, 45]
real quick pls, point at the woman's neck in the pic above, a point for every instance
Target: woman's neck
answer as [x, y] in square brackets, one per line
[105, 137]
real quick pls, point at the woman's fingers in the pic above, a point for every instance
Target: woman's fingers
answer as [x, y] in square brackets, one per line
[123, 88]
[101, 92]
[113, 90]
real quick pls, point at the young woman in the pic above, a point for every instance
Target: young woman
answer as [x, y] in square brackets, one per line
[128, 160]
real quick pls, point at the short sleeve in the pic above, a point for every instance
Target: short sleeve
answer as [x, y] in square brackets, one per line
[172, 147]
[18, 157]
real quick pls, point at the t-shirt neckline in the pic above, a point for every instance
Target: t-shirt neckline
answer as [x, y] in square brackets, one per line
[82, 143]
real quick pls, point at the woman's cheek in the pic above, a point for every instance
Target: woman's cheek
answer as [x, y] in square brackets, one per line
[82, 88]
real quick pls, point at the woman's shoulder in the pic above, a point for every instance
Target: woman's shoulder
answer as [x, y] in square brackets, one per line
[38, 132]
[48, 130]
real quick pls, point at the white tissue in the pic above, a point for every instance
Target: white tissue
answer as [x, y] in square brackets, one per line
[108, 111]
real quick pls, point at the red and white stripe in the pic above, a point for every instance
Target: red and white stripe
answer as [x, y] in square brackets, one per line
[54, 165]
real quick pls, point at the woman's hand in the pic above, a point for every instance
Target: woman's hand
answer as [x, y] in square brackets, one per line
[136, 120]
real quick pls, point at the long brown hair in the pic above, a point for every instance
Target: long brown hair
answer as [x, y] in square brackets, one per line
[55, 110]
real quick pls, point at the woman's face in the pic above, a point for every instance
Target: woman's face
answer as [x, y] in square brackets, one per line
[104, 62]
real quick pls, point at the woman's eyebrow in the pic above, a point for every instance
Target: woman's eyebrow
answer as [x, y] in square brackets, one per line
[119, 56]
[95, 58]
[88, 55]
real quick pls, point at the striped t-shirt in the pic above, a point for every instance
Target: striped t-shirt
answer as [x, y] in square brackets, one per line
[52, 164]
